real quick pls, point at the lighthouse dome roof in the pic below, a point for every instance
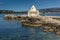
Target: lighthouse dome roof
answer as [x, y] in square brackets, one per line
[33, 8]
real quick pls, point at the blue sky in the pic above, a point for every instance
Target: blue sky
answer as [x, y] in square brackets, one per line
[23, 5]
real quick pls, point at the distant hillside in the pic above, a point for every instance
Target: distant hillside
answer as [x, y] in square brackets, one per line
[49, 10]
[11, 12]
[6, 11]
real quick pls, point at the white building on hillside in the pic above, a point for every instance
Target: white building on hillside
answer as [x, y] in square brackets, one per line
[33, 12]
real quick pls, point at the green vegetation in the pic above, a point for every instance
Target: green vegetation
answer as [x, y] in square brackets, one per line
[6, 11]
[11, 12]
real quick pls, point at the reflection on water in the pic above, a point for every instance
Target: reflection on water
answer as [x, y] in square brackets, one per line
[13, 30]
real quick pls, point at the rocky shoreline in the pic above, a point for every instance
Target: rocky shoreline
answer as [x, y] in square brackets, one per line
[47, 23]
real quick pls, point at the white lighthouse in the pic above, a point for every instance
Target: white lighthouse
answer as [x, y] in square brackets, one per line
[33, 12]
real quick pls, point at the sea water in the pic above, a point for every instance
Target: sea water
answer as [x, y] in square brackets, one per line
[14, 30]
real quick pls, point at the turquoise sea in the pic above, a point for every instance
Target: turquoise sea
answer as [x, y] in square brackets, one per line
[14, 30]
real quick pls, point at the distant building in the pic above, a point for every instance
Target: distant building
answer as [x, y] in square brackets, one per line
[33, 12]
